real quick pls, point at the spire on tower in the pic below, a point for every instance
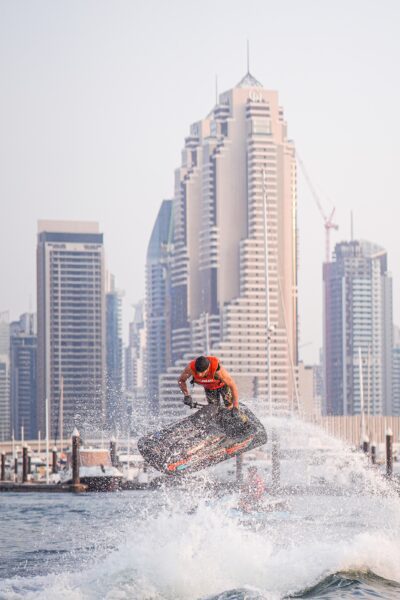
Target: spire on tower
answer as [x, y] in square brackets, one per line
[248, 80]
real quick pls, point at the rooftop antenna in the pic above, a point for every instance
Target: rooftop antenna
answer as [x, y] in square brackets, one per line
[216, 89]
[248, 57]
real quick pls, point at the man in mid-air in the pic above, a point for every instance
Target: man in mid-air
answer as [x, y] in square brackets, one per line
[208, 372]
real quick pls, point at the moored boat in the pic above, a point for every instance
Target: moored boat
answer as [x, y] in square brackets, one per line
[95, 470]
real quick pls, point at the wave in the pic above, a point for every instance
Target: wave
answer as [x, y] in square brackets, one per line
[206, 555]
[352, 584]
[179, 545]
[338, 585]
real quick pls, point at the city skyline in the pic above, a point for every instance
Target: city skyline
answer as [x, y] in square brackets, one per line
[199, 299]
[102, 164]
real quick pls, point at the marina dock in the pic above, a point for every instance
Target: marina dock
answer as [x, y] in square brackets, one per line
[47, 488]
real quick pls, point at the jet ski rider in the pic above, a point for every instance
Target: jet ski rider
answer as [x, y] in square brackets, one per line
[208, 372]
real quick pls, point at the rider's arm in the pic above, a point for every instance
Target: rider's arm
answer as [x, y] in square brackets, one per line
[184, 376]
[224, 376]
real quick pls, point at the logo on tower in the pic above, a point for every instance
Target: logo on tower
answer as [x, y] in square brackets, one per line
[255, 96]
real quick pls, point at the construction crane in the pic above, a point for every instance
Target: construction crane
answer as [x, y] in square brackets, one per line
[328, 220]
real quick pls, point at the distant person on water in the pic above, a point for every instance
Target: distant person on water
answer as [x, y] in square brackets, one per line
[218, 384]
[252, 491]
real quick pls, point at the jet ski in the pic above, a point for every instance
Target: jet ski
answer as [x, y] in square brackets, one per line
[211, 435]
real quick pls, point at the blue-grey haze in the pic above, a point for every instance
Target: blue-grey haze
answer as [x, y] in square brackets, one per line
[97, 96]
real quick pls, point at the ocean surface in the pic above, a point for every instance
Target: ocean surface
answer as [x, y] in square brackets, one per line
[342, 541]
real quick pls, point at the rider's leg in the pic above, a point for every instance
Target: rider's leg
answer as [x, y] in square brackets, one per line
[226, 394]
[212, 396]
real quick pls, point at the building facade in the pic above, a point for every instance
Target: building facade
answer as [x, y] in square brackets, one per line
[358, 318]
[234, 264]
[396, 371]
[5, 406]
[114, 357]
[136, 393]
[158, 305]
[136, 351]
[71, 324]
[23, 376]
[309, 382]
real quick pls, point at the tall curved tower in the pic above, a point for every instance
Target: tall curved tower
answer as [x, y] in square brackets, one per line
[234, 266]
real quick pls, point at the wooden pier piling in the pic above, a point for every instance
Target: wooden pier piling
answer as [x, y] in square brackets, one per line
[113, 452]
[75, 457]
[3, 467]
[54, 467]
[275, 460]
[239, 468]
[24, 464]
[389, 452]
[373, 453]
[365, 445]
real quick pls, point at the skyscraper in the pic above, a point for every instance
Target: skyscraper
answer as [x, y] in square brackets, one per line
[5, 408]
[158, 301]
[71, 323]
[136, 393]
[135, 352]
[114, 353]
[358, 317]
[309, 378]
[234, 267]
[396, 371]
[23, 373]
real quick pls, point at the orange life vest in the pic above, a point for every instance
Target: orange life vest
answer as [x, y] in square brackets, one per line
[208, 381]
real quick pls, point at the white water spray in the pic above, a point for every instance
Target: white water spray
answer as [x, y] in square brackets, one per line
[187, 543]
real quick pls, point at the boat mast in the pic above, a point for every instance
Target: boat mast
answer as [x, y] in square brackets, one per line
[61, 414]
[361, 396]
[47, 440]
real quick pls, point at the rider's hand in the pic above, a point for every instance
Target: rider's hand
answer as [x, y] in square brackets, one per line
[235, 411]
[188, 400]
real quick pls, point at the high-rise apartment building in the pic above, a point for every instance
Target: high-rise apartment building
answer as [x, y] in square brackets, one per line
[135, 352]
[5, 408]
[114, 374]
[234, 267]
[23, 374]
[5, 420]
[309, 381]
[71, 323]
[396, 371]
[158, 302]
[358, 317]
[136, 392]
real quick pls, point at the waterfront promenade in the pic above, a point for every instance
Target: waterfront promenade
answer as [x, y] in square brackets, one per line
[349, 428]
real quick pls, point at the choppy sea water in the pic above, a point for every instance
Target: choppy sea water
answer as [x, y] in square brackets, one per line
[189, 543]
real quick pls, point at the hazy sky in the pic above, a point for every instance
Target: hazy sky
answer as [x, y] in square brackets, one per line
[96, 98]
